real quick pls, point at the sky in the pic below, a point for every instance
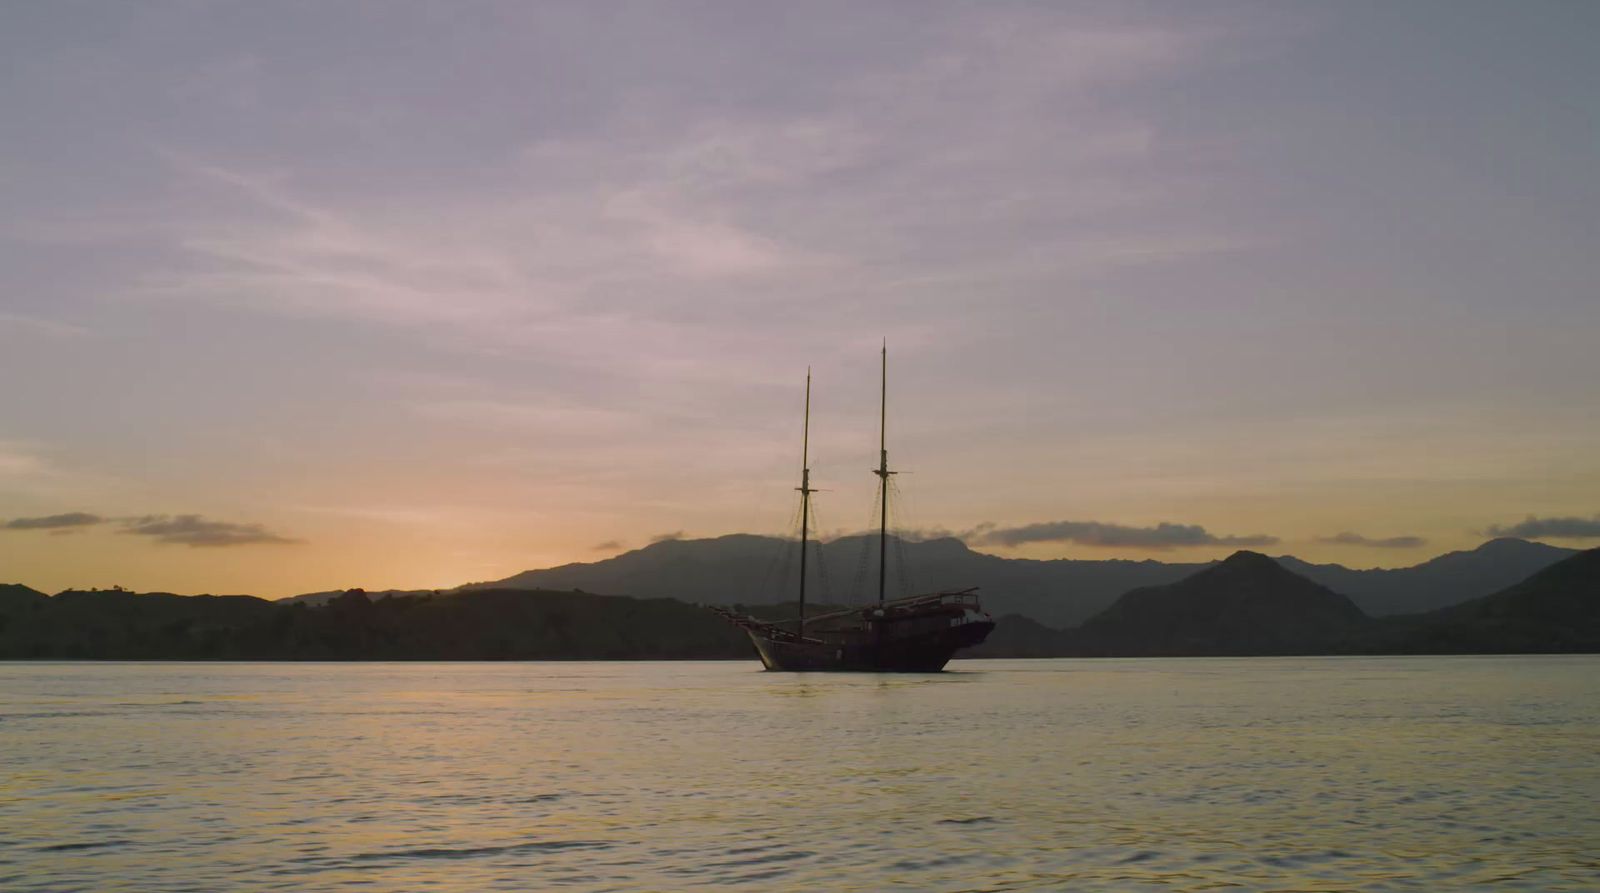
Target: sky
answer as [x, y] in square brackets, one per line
[301, 296]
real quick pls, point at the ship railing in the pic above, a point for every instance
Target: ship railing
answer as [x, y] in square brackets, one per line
[777, 630]
[953, 596]
[966, 598]
[769, 629]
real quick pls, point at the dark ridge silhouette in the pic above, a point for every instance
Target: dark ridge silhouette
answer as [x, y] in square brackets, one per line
[1058, 593]
[1248, 604]
[18, 603]
[747, 569]
[19, 595]
[482, 625]
[322, 598]
[1439, 582]
[120, 624]
[1017, 636]
[1243, 606]
[1555, 610]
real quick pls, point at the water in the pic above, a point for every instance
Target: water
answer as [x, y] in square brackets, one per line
[1250, 774]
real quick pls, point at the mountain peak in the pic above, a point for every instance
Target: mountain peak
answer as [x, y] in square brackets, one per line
[1245, 563]
[17, 595]
[1246, 604]
[1524, 555]
[1506, 543]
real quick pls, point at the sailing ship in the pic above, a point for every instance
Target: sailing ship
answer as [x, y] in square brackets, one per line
[916, 634]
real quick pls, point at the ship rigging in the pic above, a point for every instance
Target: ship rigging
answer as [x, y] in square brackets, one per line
[917, 633]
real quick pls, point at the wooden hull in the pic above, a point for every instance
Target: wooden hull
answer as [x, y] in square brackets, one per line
[921, 650]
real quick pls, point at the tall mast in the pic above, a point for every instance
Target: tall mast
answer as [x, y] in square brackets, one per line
[883, 472]
[805, 499]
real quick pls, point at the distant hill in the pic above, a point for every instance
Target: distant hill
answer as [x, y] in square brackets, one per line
[1250, 604]
[1058, 593]
[315, 599]
[116, 623]
[1439, 582]
[1017, 636]
[480, 625]
[1555, 610]
[17, 603]
[1247, 604]
[752, 570]
[18, 595]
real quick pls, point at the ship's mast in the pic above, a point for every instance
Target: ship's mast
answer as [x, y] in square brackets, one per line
[883, 472]
[805, 500]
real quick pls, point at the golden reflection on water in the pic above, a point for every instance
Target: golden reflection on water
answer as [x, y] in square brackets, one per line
[1257, 774]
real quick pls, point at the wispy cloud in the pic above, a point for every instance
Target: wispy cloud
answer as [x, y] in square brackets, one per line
[68, 520]
[1556, 528]
[1161, 536]
[194, 530]
[37, 474]
[188, 530]
[667, 537]
[549, 418]
[391, 514]
[38, 325]
[20, 461]
[1347, 538]
[646, 238]
[609, 546]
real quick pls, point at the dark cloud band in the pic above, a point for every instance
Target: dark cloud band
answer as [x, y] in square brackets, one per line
[1095, 533]
[67, 521]
[194, 530]
[1560, 528]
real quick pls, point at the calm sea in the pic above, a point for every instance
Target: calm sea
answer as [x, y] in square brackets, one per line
[1250, 774]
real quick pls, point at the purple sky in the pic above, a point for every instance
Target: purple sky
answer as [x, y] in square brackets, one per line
[295, 296]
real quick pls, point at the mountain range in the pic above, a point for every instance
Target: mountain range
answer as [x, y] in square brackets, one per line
[747, 569]
[1247, 604]
[1250, 604]
[479, 625]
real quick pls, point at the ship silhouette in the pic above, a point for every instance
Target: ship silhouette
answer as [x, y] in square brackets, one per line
[916, 634]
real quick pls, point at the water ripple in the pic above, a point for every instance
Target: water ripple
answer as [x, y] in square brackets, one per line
[1254, 774]
[471, 852]
[75, 847]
